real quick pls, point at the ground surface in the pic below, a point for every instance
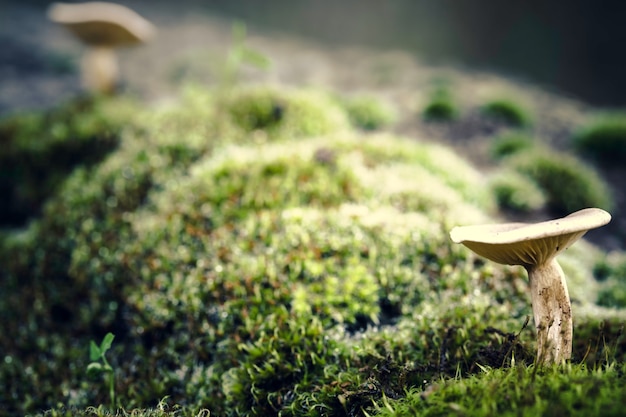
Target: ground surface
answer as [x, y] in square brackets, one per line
[166, 276]
[38, 68]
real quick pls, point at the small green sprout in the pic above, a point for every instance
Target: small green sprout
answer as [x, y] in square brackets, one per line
[99, 364]
[241, 54]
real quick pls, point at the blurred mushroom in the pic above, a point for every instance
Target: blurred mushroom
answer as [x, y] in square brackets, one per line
[102, 27]
[535, 246]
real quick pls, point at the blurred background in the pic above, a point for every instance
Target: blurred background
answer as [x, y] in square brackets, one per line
[575, 48]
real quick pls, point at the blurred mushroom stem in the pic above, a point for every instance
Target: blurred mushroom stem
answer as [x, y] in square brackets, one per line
[100, 70]
[552, 312]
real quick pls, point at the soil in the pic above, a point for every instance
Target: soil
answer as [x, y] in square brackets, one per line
[39, 68]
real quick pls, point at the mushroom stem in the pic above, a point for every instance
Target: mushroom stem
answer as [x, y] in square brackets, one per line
[100, 69]
[552, 312]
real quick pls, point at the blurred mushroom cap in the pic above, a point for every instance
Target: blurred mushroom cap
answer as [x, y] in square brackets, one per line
[102, 23]
[529, 244]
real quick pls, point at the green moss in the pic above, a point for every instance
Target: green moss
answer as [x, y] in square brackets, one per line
[239, 180]
[40, 149]
[440, 109]
[282, 113]
[599, 341]
[516, 192]
[368, 112]
[295, 276]
[568, 183]
[162, 409]
[441, 106]
[522, 390]
[281, 363]
[611, 272]
[445, 175]
[613, 295]
[509, 144]
[603, 138]
[72, 268]
[508, 112]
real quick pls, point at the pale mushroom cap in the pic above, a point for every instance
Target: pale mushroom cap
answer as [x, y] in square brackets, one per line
[102, 23]
[529, 244]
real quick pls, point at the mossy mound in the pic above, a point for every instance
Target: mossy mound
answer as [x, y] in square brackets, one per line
[442, 106]
[508, 112]
[440, 109]
[509, 144]
[603, 138]
[516, 192]
[39, 149]
[368, 112]
[611, 274]
[292, 267]
[519, 391]
[284, 113]
[568, 183]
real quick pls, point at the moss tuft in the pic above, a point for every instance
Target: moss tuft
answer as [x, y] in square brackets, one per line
[441, 106]
[603, 138]
[568, 183]
[516, 192]
[440, 109]
[522, 390]
[611, 272]
[508, 112]
[40, 149]
[368, 112]
[510, 144]
[282, 113]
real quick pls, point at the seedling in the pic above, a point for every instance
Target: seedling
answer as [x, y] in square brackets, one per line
[99, 364]
[241, 54]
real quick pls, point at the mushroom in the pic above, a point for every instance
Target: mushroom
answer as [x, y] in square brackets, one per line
[102, 27]
[535, 246]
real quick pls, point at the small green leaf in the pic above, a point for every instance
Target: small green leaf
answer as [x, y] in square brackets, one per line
[254, 58]
[94, 368]
[106, 342]
[94, 351]
[239, 32]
